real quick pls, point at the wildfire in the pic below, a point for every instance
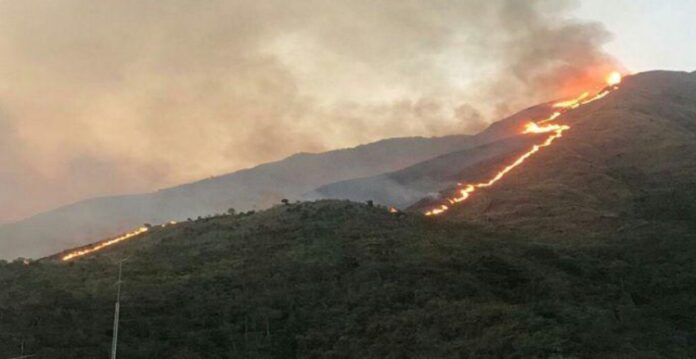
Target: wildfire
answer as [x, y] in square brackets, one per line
[534, 127]
[538, 127]
[466, 190]
[102, 245]
[614, 78]
[574, 103]
[110, 242]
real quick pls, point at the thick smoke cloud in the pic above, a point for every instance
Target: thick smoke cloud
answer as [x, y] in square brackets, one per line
[100, 97]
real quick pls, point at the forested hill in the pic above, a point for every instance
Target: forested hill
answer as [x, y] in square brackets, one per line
[335, 279]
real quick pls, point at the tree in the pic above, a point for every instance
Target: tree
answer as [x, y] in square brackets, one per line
[285, 201]
[231, 211]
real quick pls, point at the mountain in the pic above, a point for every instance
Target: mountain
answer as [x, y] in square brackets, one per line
[333, 279]
[495, 145]
[648, 122]
[585, 251]
[629, 157]
[254, 188]
[405, 187]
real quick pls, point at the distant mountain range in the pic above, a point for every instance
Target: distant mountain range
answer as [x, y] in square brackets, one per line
[255, 188]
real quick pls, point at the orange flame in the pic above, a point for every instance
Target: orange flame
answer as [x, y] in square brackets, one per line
[102, 245]
[556, 131]
[574, 103]
[110, 242]
[614, 78]
[534, 127]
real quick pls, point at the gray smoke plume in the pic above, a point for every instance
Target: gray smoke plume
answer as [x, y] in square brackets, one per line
[111, 96]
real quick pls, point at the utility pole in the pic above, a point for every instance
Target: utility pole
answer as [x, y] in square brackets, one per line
[21, 353]
[117, 309]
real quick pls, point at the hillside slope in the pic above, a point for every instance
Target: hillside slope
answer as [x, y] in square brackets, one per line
[493, 146]
[587, 251]
[630, 156]
[404, 187]
[255, 188]
[343, 280]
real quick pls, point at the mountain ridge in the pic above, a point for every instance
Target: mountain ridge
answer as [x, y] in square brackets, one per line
[254, 188]
[630, 157]
[505, 133]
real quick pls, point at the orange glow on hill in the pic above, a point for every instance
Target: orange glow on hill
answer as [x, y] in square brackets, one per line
[574, 103]
[539, 127]
[534, 127]
[102, 245]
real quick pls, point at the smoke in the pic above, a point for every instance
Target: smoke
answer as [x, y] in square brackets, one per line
[101, 97]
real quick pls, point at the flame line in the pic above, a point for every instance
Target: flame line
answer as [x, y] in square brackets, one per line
[99, 246]
[469, 189]
[102, 245]
[532, 127]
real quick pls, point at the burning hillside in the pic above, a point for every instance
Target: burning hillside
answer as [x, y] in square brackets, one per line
[536, 127]
[276, 282]
[624, 157]
[96, 247]
[548, 125]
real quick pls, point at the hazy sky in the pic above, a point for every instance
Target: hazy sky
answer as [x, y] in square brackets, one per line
[647, 34]
[117, 96]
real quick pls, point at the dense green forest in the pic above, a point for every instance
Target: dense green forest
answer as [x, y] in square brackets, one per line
[336, 279]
